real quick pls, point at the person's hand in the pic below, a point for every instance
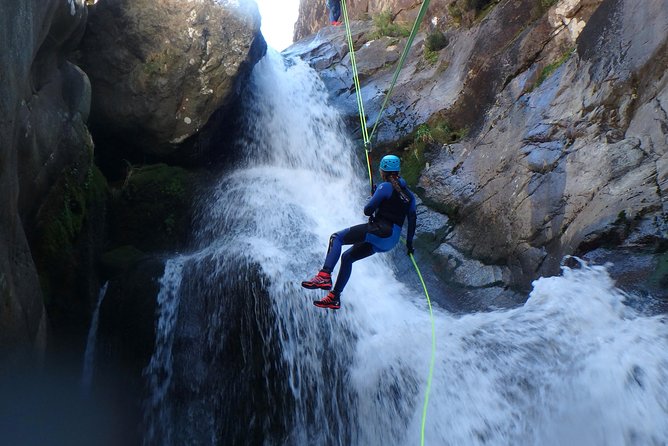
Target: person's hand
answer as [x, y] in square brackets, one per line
[409, 249]
[373, 189]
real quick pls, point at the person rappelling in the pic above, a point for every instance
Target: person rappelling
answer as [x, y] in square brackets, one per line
[387, 209]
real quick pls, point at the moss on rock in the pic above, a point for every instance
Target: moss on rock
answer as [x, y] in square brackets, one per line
[68, 234]
[425, 137]
[659, 277]
[152, 210]
[62, 217]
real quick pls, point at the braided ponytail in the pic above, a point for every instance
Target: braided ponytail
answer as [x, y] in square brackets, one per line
[393, 178]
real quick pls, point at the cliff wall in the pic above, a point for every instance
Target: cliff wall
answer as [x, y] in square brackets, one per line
[539, 128]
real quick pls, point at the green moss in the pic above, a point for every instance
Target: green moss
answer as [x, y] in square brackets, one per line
[551, 68]
[436, 41]
[660, 276]
[423, 134]
[64, 219]
[430, 56]
[469, 11]
[442, 133]
[153, 209]
[546, 4]
[385, 26]
[63, 235]
[412, 162]
[425, 137]
[484, 9]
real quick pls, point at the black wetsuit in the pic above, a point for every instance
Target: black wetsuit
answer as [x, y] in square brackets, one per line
[388, 212]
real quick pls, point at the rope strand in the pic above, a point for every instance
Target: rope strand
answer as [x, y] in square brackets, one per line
[366, 137]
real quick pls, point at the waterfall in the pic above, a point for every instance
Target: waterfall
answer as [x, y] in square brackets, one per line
[243, 357]
[91, 341]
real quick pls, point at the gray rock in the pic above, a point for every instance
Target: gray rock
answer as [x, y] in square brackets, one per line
[430, 221]
[543, 157]
[557, 161]
[44, 103]
[159, 70]
[467, 272]
[634, 271]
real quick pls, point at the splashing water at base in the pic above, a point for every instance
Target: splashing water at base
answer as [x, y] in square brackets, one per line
[243, 357]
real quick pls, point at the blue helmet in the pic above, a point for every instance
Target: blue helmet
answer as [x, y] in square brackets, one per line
[390, 163]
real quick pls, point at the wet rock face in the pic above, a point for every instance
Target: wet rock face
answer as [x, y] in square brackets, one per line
[159, 70]
[574, 163]
[44, 103]
[567, 135]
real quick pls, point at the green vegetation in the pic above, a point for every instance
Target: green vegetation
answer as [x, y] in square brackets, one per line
[548, 3]
[430, 56]
[385, 26]
[66, 225]
[425, 137]
[434, 43]
[485, 9]
[67, 207]
[659, 277]
[455, 13]
[153, 208]
[551, 68]
[466, 12]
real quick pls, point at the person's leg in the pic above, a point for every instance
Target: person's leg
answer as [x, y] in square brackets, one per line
[336, 10]
[348, 236]
[330, 6]
[357, 252]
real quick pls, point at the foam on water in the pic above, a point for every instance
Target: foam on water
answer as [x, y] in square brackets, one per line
[574, 365]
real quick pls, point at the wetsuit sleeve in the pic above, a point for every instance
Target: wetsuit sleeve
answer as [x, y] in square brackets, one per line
[383, 192]
[412, 221]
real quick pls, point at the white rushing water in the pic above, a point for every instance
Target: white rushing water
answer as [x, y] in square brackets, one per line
[572, 366]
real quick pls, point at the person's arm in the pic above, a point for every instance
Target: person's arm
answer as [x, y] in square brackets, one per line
[383, 191]
[412, 222]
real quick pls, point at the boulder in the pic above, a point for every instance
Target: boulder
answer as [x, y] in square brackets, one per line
[469, 273]
[159, 70]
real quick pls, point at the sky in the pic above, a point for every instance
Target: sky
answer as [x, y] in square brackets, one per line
[278, 21]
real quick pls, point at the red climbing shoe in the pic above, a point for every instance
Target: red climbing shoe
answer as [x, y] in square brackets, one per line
[337, 23]
[330, 301]
[322, 281]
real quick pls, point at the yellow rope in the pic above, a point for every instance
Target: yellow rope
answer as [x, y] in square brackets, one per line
[367, 146]
[433, 353]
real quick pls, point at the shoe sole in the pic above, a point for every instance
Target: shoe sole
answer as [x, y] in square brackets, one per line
[313, 286]
[331, 307]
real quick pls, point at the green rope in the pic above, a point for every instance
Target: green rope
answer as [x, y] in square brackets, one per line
[366, 137]
[400, 64]
[367, 141]
[433, 353]
[358, 92]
